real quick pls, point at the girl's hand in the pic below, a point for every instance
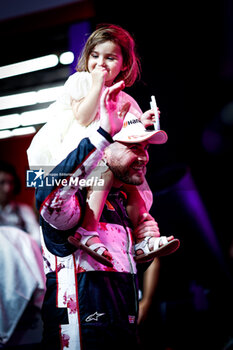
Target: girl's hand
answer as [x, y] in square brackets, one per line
[148, 118]
[110, 120]
[98, 76]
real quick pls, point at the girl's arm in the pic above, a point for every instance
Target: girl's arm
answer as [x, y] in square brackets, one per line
[85, 110]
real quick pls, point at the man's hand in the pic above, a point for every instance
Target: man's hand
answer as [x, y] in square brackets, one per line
[110, 120]
[147, 227]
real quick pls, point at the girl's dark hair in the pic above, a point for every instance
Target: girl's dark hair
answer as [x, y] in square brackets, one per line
[120, 36]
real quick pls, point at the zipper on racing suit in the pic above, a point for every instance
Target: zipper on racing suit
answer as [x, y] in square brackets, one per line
[120, 215]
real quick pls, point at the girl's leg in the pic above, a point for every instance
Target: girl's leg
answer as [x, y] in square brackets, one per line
[96, 198]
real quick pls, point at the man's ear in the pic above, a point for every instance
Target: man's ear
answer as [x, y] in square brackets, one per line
[107, 153]
[104, 158]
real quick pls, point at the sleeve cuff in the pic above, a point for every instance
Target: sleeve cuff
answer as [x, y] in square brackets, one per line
[100, 139]
[105, 134]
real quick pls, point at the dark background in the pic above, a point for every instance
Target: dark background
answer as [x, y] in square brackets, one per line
[186, 51]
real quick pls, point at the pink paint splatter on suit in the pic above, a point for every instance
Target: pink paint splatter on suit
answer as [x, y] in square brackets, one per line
[64, 299]
[71, 304]
[106, 268]
[60, 266]
[80, 269]
[103, 226]
[65, 340]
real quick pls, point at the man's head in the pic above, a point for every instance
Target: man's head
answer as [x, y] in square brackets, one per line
[127, 157]
[128, 161]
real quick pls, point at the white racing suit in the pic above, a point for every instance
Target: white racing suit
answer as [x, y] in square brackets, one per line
[87, 305]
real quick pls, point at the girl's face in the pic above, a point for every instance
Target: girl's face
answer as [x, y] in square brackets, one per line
[107, 55]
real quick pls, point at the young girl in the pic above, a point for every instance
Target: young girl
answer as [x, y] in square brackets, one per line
[108, 57]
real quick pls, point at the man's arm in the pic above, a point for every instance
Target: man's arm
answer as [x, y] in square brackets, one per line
[58, 204]
[150, 283]
[56, 200]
